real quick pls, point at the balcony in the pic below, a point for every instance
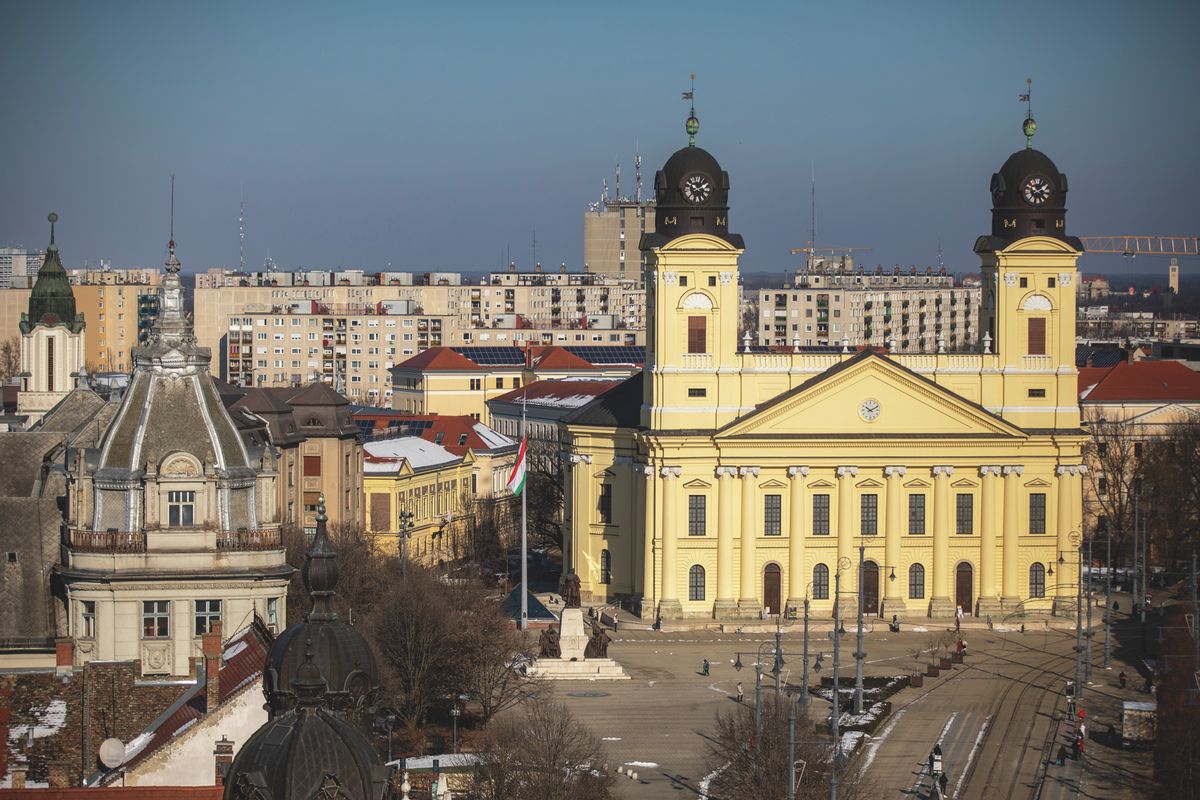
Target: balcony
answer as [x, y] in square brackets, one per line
[246, 539]
[107, 541]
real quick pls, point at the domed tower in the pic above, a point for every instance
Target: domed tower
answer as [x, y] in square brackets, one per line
[1027, 316]
[340, 652]
[691, 283]
[52, 331]
[309, 752]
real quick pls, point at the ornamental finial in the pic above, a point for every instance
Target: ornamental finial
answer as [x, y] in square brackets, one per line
[53, 217]
[692, 126]
[1029, 126]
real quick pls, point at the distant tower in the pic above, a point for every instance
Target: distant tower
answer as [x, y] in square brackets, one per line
[51, 339]
[1173, 276]
[242, 234]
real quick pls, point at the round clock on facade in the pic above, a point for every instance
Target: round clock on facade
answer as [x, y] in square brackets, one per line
[696, 188]
[1036, 190]
[869, 410]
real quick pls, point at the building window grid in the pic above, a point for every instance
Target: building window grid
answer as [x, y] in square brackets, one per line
[87, 610]
[964, 514]
[605, 567]
[820, 521]
[208, 613]
[916, 515]
[1037, 580]
[820, 582]
[696, 582]
[1037, 512]
[916, 582]
[605, 503]
[869, 514]
[156, 619]
[181, 509]
[697, 515]
[773, 515]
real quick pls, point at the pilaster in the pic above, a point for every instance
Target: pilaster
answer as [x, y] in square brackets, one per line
[989, 601]
[797, 568]
[669, 606]
[726, 603]
[748, 603]
[941, 604]
[893, 600]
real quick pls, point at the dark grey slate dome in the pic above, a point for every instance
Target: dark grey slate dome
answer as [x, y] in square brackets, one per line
[1029, 197]
[309, 752]
[339, 652]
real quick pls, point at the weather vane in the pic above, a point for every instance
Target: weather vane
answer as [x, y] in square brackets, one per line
[1029, 126]
[693, 123]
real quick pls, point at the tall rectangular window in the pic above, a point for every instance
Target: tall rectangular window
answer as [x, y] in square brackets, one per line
[1037, 336]
[697, 334]
[916, 515]
[697, 514]
[273, 614]
[869, 514]
[181, 509]
[208, 613]
[773, 515]
[156, 619]
[820, 522]
[964, 514]
[1037, 512]
[312, 466]
[606, 503]
[87, 612]
[50, 365]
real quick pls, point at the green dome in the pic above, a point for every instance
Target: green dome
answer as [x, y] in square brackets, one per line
[52, 302]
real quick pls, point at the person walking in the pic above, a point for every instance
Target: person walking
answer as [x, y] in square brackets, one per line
[704, 669]
[741, 693]
[958, 615]
[1122, 678]
[1062, 755]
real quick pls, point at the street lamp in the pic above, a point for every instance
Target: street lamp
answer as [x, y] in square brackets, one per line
[859, 655]
[737, 665]
[455, 713]
[843, 563]
[406, 521]
[804, 689]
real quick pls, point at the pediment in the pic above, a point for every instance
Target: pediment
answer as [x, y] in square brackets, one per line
[605, 473]
[1038, 482]
[917, 483]
[1166, 414]
[773, 484]
[696, 483]
[869, 483]
[964, 483]
[909, 407]
[820, 484]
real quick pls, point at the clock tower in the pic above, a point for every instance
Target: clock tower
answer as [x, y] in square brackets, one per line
[691, 280]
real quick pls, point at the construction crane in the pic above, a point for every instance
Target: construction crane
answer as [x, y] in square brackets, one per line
[1142, 245]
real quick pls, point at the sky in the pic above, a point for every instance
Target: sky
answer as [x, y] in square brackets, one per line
[445, 136]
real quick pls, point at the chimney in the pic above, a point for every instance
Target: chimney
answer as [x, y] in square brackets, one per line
[59, 777]
[16, 774]
[223, 756]
[64, 656]
[211, 646]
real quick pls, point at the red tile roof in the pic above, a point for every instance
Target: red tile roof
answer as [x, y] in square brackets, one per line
[553, 357]
[440, 358]
[1140, 382]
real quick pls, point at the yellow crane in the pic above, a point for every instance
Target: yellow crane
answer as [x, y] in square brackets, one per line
[1143, 245]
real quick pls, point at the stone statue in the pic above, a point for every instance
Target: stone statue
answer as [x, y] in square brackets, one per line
[548, 644]
[597, 646]
[571, 590]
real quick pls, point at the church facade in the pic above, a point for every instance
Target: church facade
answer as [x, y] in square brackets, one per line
[728, 481]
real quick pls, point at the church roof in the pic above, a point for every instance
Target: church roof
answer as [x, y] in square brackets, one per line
[619, 407]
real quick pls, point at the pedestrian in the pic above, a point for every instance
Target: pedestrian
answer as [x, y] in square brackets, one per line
[958, 615]
[943, 782]
[1079, 743]
[1122, 678]
[704, 670]
[964, 648]
[1112, 736]
[1082, 731]
[894, 627]
[1076, 748]
[741, 694]
[1062, 755]
[1116, 606]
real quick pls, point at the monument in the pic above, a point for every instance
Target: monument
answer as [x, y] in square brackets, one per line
[571, 653]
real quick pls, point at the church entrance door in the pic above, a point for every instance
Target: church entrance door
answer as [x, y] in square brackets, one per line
[871, 588]
[963, 585]
[771, 585]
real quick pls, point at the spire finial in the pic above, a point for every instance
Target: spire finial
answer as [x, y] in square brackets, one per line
[53, 217]
[692, 126]
[321, 509]
[1029, 126]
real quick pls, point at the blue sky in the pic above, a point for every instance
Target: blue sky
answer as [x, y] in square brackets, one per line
[436, 135]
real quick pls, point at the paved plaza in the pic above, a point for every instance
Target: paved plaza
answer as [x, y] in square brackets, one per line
[999, 717]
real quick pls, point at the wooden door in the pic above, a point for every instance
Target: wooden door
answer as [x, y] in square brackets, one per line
[871, 588]
[771, 585]
[963, 586]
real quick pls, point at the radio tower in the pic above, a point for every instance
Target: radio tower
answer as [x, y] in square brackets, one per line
[242, 233]
[637, 171]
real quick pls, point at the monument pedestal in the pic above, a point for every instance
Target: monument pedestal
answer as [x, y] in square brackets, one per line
[571, 664]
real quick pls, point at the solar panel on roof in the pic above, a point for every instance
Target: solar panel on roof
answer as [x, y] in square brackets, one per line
[493, 356]
[609, 354]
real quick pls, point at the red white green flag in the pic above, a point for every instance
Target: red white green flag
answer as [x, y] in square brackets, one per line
[516, 481]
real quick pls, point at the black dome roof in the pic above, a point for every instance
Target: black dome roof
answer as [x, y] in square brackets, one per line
[707, 211]
[308, 750]
[1029, 198]
[339, 651]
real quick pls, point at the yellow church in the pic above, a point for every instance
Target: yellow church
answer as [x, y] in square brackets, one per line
[726, 482]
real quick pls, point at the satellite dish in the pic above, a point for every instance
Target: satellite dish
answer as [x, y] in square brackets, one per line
[112, 753]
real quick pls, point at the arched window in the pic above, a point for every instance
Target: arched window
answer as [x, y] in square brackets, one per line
[1037, 580]
[605, 567]
[916, 582]
[820, 582]
[696, 582]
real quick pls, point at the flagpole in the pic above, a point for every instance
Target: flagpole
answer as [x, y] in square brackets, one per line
[524, 529]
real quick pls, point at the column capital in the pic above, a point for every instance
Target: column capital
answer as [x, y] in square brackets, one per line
[1070, 469]
[1013, 470]
[748, 472]
[643, 469]
[895, 472]
[671, 472]
[847, 472]
[800, 472]
[943, 471]
[726, 472]
[580, 458]
[986, 471]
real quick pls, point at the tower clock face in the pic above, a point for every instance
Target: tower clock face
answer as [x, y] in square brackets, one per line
[869, 410]
[697, 188]
[1036, 191]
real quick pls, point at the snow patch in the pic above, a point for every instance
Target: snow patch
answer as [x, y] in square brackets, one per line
[642, 764]
[233, 650]
[50, 719]
[137, 744]
[919, 629]
[610, 738]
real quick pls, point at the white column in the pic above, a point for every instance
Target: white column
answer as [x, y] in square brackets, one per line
[845, 522]
[1065, 588]
[1010, 586]
[988, 601]
[748, 592]
[797, 568]
[726, 603]
[669, 606]
[941, 603]
[648, 531]
[893, 599]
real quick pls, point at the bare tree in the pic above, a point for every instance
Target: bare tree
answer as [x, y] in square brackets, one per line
[10, 358]
[540, 752]
[488, 527]
[497, 655]
[1114, 457]
[1171, 494]
[732, 751]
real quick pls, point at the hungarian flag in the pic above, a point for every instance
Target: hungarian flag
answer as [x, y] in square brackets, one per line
[516, 481]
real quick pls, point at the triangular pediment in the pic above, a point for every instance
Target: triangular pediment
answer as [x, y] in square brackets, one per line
[917, 484]
[696, 483]
[820, 484]
[870, 396]
[869, 483]
[1038, 482]
[1166, 414]
[773, 484]
[605, 473]
[964, 483]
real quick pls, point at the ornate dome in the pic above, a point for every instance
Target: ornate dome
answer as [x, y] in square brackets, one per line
[692, 195]
[340, 652]
[309, 752]
[1029, 194]
[52, 302]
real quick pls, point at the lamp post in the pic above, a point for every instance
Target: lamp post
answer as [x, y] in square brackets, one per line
[455, 711]
[737, 665]
[859, 655]
[804, 688]
[843, 563]
[1108, 598]
[1087, 674]
[777, 668]
[1074, 538]
[406, 520]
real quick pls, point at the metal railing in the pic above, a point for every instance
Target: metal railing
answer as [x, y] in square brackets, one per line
[111, 541]
[247, 539]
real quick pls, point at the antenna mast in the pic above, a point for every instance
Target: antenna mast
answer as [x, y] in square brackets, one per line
[618, 180]
[637, 170]
[242, 232]
[172, 209]
[812, 231]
